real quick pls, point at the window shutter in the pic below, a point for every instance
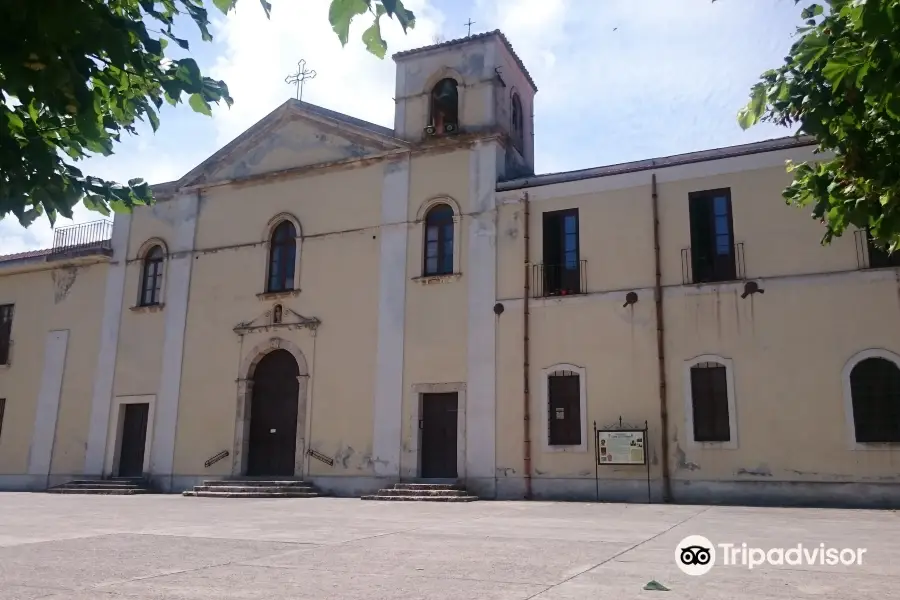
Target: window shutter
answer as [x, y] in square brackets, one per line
[709, 393]
[564, 425]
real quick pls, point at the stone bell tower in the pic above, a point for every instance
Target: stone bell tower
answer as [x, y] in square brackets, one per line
[473, 84]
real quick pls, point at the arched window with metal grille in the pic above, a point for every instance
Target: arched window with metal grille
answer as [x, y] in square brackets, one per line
[875, 395]
[439, 240]
[152, 276]
[282, 257]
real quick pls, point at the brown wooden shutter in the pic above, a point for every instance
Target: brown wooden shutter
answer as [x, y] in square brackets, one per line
[709, 392]
[564, 425]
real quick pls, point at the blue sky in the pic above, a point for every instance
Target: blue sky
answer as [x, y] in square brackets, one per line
[618, 80]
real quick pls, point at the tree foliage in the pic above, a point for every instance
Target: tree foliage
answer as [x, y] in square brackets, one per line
[75, 75]
[840, 84]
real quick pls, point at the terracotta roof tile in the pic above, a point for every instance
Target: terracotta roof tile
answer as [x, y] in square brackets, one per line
[24, 255]
[477, 36]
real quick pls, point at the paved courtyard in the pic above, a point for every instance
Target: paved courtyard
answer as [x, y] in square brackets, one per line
[109, 548]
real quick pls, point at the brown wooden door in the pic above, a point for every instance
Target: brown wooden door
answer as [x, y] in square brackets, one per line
[273, 415]
[438, 426]
[134, 440]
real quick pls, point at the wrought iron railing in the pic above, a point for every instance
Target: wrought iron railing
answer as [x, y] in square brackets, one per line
[567, 279]
[214, 459]
[321, 457]
[710, 266]
[86, 238]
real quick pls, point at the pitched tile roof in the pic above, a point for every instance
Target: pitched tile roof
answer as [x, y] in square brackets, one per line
[24, 255]
[471, 38]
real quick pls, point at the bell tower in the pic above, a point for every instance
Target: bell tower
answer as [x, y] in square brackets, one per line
[470, 85]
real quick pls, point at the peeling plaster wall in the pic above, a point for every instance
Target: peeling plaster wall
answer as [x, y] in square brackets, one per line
[788, 346]
[69, 299]
[294, 143]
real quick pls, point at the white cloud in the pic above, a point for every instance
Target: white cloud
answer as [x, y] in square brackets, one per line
[619, 79]
[260, 53]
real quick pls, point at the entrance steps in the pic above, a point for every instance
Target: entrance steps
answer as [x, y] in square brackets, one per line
[117, 486]
[424, 492]
[254, 488]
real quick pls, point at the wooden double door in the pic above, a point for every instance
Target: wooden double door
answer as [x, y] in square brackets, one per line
[438, 435]
[273, 416]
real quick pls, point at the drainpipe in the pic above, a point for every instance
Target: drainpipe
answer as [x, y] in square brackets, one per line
[661, 350]
[526, 398]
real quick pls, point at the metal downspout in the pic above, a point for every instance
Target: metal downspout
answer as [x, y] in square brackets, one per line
[661, 351]
[526, 399]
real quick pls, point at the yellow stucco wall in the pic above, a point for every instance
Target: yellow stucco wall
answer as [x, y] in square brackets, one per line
[436, 316]
[68, 297]
[788, 346]
[339, 214]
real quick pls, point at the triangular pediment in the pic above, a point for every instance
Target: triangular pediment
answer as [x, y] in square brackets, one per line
[277, 317]
[293, 136]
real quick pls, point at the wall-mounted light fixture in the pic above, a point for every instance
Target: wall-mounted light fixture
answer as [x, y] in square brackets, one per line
[630, 298]
[750, 288]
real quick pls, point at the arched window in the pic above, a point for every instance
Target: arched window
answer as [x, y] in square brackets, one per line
[439, 240]
[518, 129]
[875, 392]
[152, 276]
[282, 255]
[445, 106]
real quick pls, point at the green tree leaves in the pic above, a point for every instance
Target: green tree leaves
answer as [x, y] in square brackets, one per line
[840, 83]
[76, 76]
[342, 12]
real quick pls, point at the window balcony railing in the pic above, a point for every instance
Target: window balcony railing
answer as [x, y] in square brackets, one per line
[710, 266]
[559, 280]
[84, 239]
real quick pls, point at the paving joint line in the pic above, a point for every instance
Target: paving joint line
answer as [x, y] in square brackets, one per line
[618, 554]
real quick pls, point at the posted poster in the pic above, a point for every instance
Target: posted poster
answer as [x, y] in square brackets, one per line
[621, 447]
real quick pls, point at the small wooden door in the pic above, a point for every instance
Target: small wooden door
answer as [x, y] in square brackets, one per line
[134, 440]
[273, 415]
[438, 426]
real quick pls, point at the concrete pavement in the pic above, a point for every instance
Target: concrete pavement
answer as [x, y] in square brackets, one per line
[155, 547]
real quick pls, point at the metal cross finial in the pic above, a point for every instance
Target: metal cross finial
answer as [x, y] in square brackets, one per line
[469, 24]
[300, 77]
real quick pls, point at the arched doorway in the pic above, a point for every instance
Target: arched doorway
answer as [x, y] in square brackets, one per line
[273, 415]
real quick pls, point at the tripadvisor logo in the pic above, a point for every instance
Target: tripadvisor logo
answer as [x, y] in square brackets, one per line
[696, 555]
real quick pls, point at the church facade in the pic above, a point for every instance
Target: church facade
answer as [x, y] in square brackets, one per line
[329, 299]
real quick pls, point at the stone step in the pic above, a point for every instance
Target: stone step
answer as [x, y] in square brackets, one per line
[279, 494]
[428, 486]
[257, 483]
[422, 498]
[99, 491]
[407, 492]
[253, 488]
[108, 485]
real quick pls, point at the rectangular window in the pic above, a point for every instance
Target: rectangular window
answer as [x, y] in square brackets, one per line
[564, 394]
[879, 258]
[6, 317]
[712, 236]
[709, 393]
[562, 265]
